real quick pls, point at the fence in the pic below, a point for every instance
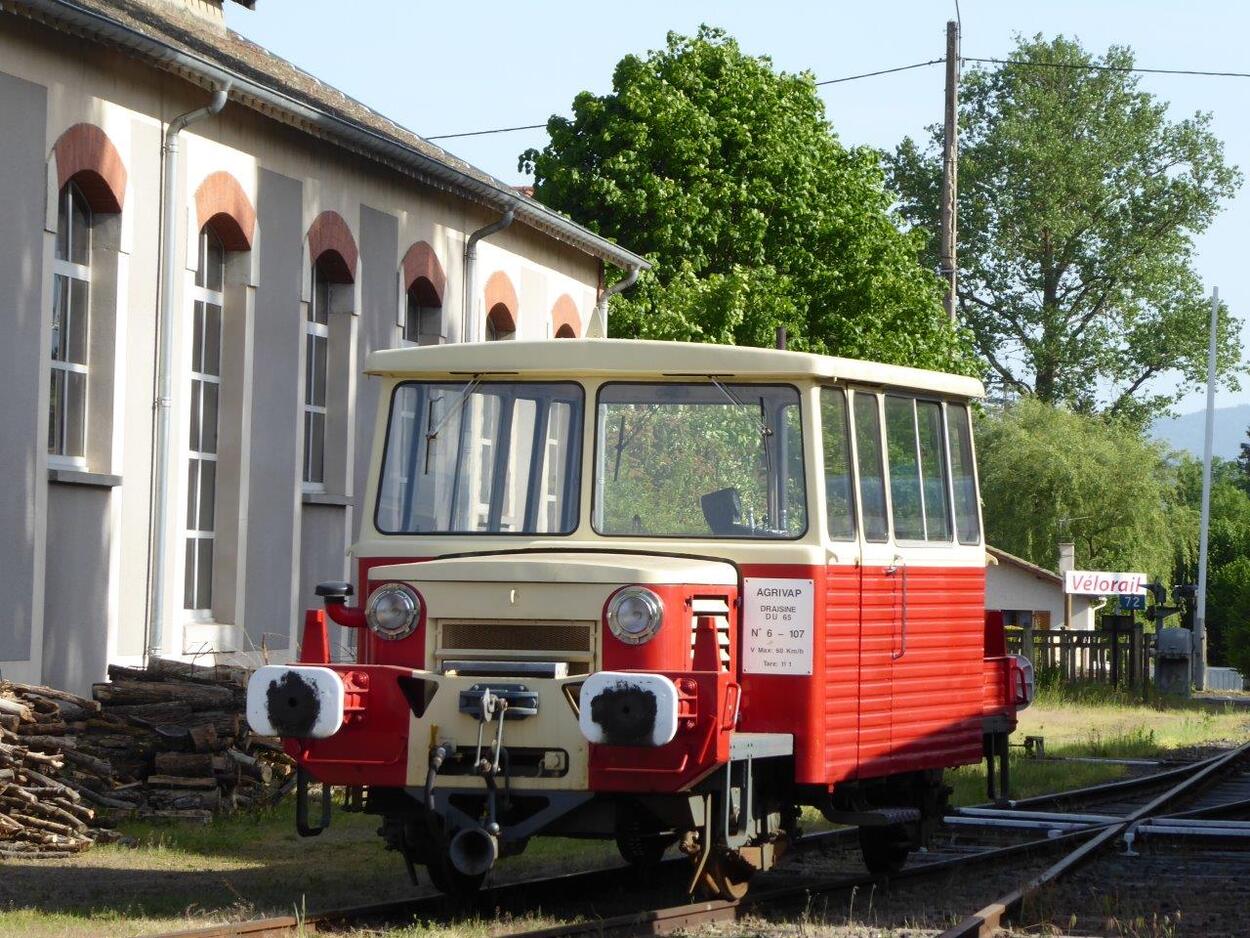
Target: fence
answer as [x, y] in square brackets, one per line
[1224, 679]
[1113, 657]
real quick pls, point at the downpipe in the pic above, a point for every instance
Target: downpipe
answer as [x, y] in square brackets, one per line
[598, 327]
[165, 353]
[468, 325]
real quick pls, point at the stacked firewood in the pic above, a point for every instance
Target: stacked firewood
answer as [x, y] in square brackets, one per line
[43, 810]
[166, 741]
[176, 735]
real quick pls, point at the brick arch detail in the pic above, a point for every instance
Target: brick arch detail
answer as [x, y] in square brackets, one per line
[221, 203]
[500, 292]
[85, 155]
[331, 245]
[421, 262]
[566, 323]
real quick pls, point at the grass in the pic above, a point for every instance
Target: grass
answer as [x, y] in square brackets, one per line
[252, 864]
[1096, 721]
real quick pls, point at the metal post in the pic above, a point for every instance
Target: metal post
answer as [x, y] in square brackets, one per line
[1200, 617]
[950, 167]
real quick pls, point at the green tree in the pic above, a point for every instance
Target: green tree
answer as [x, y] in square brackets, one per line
[727, 176]
[1078, 205]
[1050, 474]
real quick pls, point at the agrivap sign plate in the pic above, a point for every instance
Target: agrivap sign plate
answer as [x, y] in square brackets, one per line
[777, 626]
[1101, 583]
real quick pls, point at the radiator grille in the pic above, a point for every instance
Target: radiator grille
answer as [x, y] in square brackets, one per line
[500, 636]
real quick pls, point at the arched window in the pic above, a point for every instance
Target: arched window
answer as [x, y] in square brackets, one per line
[499, 324]
[423, 318]
[71, 303]
[207, 297]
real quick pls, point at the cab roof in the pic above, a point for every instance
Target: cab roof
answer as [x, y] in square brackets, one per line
[633, 358]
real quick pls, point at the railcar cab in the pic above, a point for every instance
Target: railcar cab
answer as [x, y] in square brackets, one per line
[655, 592]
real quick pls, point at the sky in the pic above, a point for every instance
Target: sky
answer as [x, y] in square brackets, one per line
[439, 68]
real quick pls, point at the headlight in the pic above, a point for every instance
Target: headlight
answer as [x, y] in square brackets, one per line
[393, 611]
[634, 615]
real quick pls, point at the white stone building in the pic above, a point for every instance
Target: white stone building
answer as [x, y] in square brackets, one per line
[307, 231]
[1027, 594]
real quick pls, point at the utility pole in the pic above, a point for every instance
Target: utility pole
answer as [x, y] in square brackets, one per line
[1204, 524]
[950, 166]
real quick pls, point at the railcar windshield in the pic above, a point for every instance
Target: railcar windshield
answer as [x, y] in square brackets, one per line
[481, 457]
[699, 460]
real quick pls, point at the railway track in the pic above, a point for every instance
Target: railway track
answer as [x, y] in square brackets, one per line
[1118, 805]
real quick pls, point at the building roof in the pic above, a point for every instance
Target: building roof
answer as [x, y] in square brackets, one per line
[182, 43]
[1011, 559]
[620, 357]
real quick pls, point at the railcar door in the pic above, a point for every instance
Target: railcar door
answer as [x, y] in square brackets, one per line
[938, 587]
[878, 588]
[841, 654]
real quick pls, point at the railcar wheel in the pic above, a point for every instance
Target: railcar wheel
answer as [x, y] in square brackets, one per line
[726, 876]
[641, 849]
[885, 849]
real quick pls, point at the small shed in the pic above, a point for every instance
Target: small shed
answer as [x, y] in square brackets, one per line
[1027, 594]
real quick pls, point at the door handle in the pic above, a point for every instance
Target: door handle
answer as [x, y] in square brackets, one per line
[893, 569]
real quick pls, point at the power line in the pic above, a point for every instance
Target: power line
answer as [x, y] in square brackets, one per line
[884, 71]
[914, 65]
[830, 81]
[1110, 68]
[479, 133]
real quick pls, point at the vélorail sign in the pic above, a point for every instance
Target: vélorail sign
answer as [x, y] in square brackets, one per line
[1099, 583]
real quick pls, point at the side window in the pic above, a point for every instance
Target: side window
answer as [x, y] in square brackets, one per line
[919, 480]
[423, 316]
[934, 471]
[836, 436]
[871, 471]
[316, 357]
[905, 499]
[967, 519]
[71, 285]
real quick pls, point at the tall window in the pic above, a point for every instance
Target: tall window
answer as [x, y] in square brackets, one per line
[207, 303]
[316, 354]
[423, 319]
[71, 288]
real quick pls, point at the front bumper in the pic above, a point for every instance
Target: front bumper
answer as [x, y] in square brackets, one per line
[377, 725]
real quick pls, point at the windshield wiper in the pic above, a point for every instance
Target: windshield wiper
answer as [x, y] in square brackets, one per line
[432, 434]
[764, 428]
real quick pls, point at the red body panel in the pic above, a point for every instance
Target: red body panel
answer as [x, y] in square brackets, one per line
[372, 746]
[901, 683]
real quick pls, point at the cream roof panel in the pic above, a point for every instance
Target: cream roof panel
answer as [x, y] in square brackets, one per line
[619, 358]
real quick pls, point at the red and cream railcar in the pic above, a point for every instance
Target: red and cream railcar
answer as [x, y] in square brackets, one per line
[655, 592]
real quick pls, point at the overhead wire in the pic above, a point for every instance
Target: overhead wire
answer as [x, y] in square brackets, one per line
[906, 68]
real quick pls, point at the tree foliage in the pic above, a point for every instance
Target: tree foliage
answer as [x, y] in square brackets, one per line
[1078, 205]
[726, 174]
[1049, 474]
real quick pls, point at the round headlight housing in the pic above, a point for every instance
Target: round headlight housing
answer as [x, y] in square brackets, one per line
[393, 611]
[635, 615]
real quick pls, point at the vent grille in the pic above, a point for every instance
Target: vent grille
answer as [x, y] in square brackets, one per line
[717, 609]
[500, 636]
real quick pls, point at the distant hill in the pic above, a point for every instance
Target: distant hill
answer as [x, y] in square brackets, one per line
[1186, 431]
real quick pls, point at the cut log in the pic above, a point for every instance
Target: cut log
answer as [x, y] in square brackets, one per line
[19, 710]
[167, 799]
[181, 782]
[42, 729]
[199, 696]
[204, 739]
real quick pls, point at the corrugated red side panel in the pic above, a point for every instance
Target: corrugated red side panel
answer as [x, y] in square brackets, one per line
[841, 675]
[938, 676]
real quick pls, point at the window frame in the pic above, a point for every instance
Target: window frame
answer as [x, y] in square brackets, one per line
[414, 310]
[693, 381]
[207, 296]
[852, 465]
[573, 466]
[74, 274]
[966, 408]
[317, 332]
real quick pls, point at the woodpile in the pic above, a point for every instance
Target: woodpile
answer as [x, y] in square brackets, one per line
[166, 741]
